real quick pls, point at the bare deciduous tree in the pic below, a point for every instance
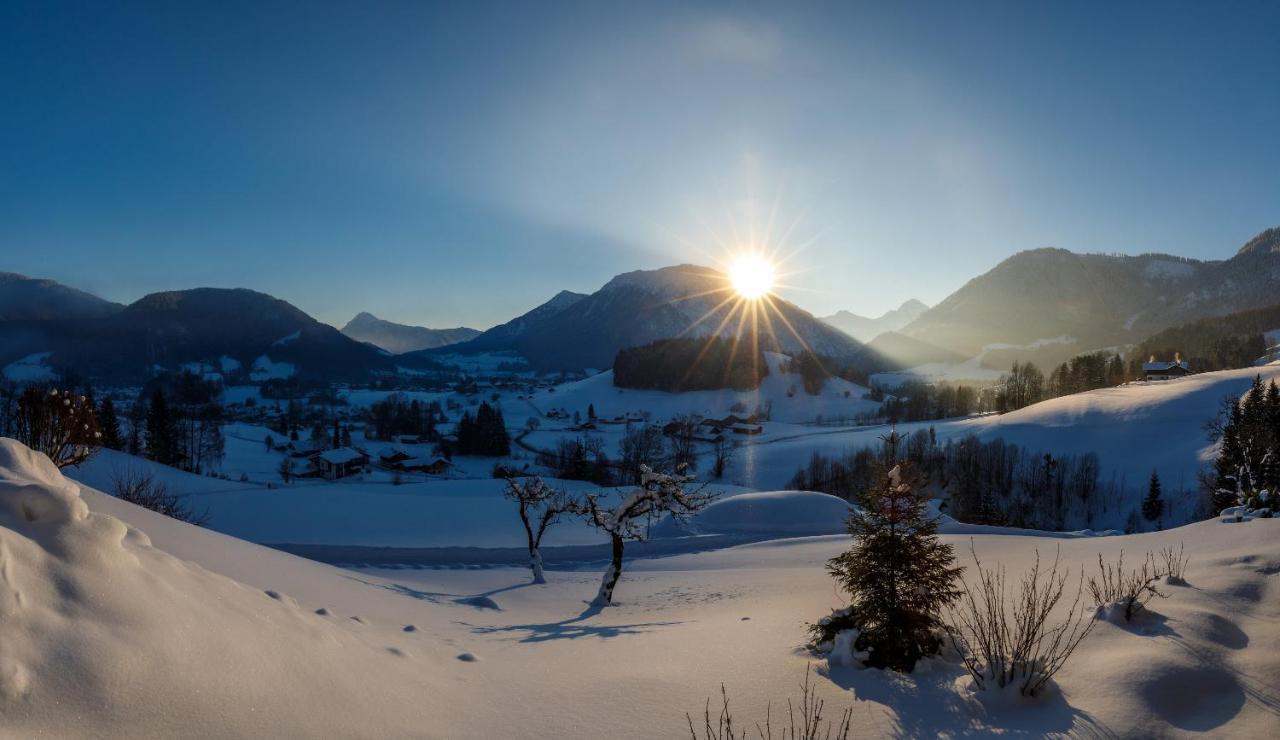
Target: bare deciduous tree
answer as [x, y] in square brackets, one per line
[58, 423]
[657, 494]
[540, 507]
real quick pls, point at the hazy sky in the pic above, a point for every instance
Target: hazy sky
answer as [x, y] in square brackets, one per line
[458, 163]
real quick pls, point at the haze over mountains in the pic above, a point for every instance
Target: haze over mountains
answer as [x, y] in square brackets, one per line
[1044, 305]
[399, 338]
[1051, 304]
[864, 329]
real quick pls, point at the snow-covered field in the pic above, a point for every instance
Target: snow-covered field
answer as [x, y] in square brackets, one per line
[178, 632]
[1133, 429]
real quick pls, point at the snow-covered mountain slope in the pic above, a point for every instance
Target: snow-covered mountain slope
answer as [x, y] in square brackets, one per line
[781, 393]
[109, 632]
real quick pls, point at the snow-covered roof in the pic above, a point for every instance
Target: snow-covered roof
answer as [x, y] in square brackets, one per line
[340, 456]
[1162, 366]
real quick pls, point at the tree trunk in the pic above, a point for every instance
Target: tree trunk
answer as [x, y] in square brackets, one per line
[535, 564]
[611, 576]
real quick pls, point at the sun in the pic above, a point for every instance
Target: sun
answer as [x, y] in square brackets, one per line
[752, 276]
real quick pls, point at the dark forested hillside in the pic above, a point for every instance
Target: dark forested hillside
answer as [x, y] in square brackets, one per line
[689, 365]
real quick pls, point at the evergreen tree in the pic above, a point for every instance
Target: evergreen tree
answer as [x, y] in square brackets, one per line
[898, 575]
[1247, 470]
[591, 411]
[1153, 504]
[109, 425]
[162, 431]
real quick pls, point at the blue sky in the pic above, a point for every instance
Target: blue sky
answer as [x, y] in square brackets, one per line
[458, 163]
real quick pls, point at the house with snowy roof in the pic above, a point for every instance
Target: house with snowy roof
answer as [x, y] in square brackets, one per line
[1156, 370]
[339, 463]
[428, 465]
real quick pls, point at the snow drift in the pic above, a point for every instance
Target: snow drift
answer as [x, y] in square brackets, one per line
[101, 634]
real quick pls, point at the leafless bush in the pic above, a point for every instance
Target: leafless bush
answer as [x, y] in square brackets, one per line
[1020, 647]
[1131, 590]
[804, 722]
[142, 488]
[1175, 563]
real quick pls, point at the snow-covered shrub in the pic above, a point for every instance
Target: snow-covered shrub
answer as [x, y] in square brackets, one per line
[805, 720]
[144, 489]
[1174, 565]
[1119, 594]
[1006, 639]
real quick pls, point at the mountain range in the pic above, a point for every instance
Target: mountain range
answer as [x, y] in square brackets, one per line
[864, 329]
[236, 332]
[1044, 305]
[400, 338]
[574, 331]
[1050, 304]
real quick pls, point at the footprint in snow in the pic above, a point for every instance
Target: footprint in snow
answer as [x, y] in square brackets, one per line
[322, 612]
[468, 658]
[410, 628]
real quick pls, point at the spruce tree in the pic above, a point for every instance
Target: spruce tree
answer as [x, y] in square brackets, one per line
[1153, 504]
[109, 425]
[1229, 463]
[897, 573]
[162, 431]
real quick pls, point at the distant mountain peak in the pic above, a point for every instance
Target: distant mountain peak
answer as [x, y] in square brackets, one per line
[865, 328]
[400, 338]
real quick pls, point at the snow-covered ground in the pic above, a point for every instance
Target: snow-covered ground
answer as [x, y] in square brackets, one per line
[1133, 429]
[178, 632]
[783, 393]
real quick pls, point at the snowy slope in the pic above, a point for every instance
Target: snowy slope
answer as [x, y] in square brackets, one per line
[105, 635]
[113, 637]
[170, 648]
[1133, 429]
[784, 392]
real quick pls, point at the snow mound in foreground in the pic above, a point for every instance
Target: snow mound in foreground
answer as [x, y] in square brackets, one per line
[786, 513]
[102, 634]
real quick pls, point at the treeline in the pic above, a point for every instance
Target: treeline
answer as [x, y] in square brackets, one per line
[919, 401]
[398, 415]
[690, 364]
[1247, 471]
[484, 433]
[987, 482]
[1220, 343]
[177, 421]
